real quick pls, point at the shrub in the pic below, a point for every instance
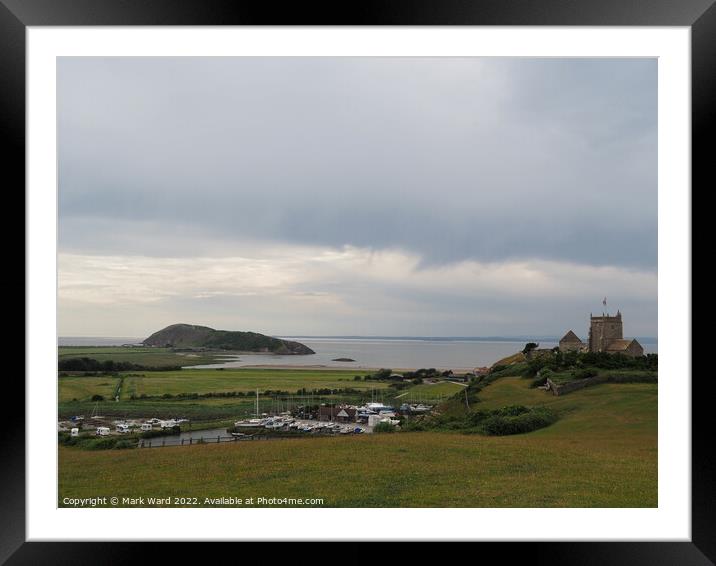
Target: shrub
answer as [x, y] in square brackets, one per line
[476, 417]
[124, 444]
[100, 443]
[513, 419]
[496, 426]
[535, 419]
[66, 439]
[97, 398]
[529, 347]
[415, 426]
[383, 373]
[384, 427]
[106, 366]
[511, 411]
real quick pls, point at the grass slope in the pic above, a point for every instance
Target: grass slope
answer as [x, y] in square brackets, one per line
[602, 453]
[429, 392]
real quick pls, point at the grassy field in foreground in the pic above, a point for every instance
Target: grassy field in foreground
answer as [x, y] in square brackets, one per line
[246, 380]
[75, 393]
[601, 453]
[84, 387]
[157, 383]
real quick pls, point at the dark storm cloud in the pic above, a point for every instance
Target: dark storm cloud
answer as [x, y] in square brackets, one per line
[451, 159]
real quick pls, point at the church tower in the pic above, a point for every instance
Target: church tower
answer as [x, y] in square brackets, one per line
[603, 330]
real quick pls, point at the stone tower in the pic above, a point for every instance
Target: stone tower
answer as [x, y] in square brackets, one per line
[603, 330]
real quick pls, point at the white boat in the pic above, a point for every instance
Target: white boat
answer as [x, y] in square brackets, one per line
[251, 423]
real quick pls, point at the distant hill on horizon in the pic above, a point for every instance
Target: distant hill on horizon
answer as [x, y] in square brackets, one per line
[194, 336]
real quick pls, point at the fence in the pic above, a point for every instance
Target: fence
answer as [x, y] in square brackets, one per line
[574, 385]
[582, 383]
[164, 441]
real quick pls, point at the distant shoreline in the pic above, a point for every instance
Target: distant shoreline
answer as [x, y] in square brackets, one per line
[135, 340]
[327, 368]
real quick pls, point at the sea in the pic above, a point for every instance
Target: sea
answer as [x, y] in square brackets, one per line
[374, 352]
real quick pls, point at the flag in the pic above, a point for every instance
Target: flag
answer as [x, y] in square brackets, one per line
[604, 302]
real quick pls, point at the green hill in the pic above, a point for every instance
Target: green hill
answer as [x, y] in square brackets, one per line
[602, 452]
[192, 336]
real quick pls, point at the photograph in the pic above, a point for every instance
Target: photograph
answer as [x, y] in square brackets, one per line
[357, 282]
[409, 274]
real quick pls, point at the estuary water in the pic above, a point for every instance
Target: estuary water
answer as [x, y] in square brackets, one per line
[394, 353]
[388, 353]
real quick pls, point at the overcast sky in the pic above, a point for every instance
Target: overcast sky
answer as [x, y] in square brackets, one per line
[361, 196]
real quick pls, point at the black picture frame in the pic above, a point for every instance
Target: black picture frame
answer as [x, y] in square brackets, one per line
[699, 15]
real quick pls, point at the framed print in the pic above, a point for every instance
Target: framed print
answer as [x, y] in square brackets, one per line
[402, 276]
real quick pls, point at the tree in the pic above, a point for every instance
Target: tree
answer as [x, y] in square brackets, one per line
[384, 427]
[529, 347]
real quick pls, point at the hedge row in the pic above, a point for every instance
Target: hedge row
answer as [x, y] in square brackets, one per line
[513, 419]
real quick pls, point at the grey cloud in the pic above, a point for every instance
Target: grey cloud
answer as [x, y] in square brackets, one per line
[489, 159]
